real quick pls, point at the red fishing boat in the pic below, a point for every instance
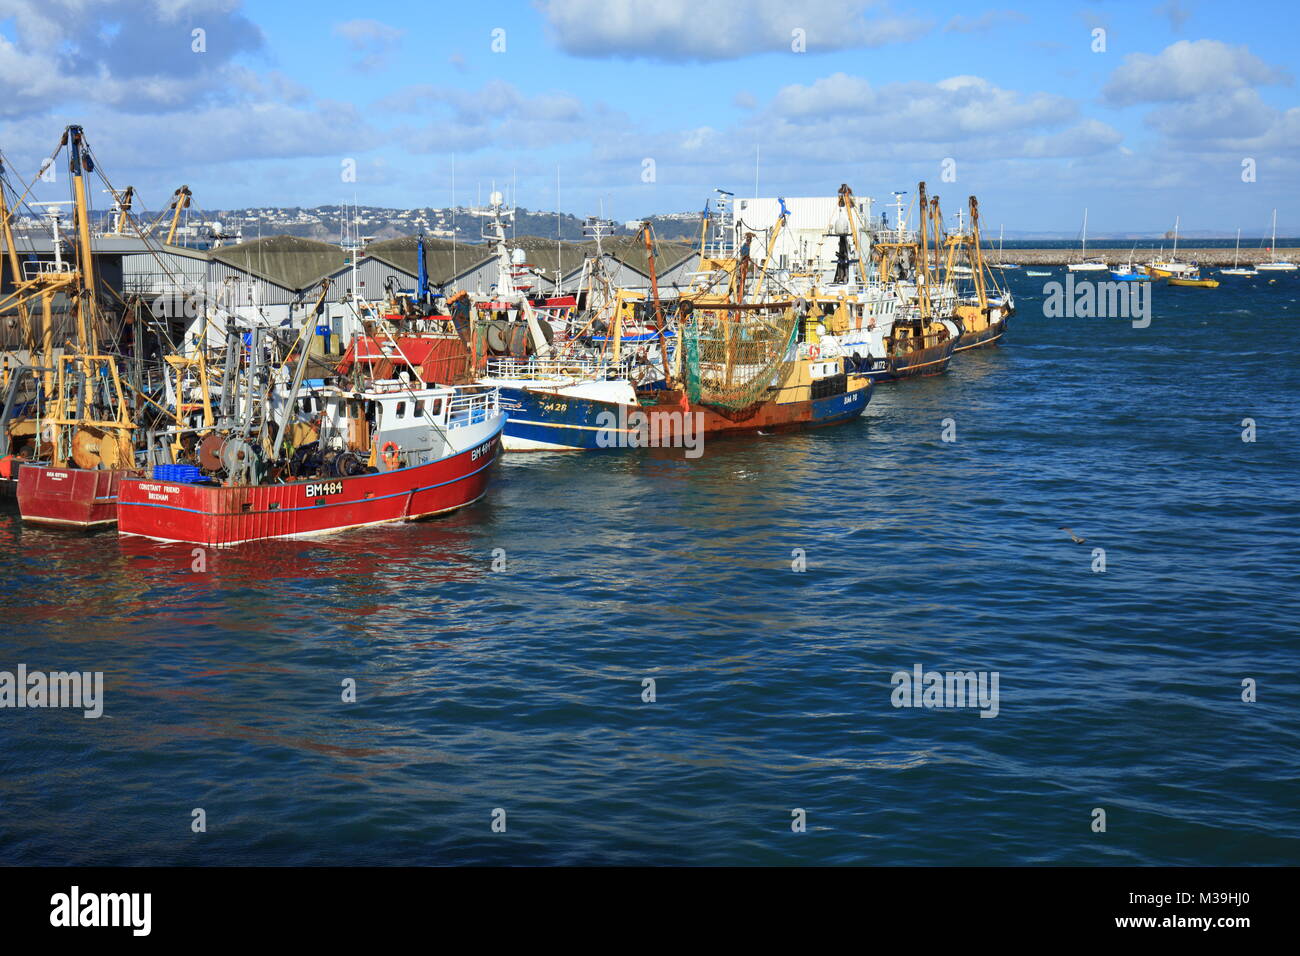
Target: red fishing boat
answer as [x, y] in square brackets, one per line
[69, 497]
[388, 453]
[77, 428]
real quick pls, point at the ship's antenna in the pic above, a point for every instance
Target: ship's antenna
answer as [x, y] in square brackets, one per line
[453, 214]
[557, 229]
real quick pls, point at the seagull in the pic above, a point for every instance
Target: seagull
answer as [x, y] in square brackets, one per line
[1073, 537]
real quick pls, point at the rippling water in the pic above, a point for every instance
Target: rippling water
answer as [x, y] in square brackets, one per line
[522, 689]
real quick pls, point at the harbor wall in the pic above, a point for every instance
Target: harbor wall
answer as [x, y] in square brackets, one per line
[1206, 257]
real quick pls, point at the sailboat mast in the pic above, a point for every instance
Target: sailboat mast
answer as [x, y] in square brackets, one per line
[1084, 251]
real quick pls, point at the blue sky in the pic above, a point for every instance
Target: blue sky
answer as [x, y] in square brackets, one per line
[1035, 122]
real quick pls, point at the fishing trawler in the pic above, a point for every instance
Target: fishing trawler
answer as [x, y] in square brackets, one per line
[295, 461]
[1130, 272]
[558, 370]
[73, 438]
[983, 316]
[922, 335]
[744, 370]
[722, 354]
[1162, 268]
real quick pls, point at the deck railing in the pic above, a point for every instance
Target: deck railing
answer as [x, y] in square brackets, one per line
[472, 408]
[559, 369]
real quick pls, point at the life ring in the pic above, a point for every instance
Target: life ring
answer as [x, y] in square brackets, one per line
[814, 352]
[390, 453]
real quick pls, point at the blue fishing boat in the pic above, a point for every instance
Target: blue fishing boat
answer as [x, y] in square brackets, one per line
[556, 404]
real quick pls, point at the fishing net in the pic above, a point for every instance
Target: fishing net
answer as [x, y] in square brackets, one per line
[732, 358]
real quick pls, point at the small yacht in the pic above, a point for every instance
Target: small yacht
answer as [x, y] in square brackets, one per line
[1277, 265]
[1085, 264]
[1236, 269]
[1002, 262]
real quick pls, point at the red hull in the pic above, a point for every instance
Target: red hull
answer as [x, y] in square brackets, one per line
[768, 416]
[69, 497]
[221, 516]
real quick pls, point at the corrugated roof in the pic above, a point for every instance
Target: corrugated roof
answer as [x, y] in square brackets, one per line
[540, 252]
[630, 250]
[548, 255]
[443, 258]
[288, 261]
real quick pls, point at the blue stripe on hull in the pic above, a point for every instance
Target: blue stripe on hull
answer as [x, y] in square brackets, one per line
[550, 419]
[840, 408]
[568, 423]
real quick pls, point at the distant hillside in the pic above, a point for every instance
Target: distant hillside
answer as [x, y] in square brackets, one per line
[329, 224]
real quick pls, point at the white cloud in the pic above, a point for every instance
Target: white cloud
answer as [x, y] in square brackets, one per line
[1187, 69]
[127, 143]
[677, 30]
[1224, 116]
[1205, 100]
[373, 42]
[1086, 138]
[135, 55]
[496, 114]
[985, 21]
[149, 101]
[957, 107]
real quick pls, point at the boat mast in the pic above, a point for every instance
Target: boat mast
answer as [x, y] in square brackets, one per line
[7, 234]
[981, 292]
[86, 312]
[654, 293]
[923, 270]
[1083, 255]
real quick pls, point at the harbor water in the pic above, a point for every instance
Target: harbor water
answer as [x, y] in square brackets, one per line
[502, 658]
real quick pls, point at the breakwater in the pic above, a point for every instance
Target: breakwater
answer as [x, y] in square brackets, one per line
[1205, 256]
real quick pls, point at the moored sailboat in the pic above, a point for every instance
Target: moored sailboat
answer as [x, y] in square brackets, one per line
[1236, 269]
[1083, 263]
[1002, 262]
[1275, 265]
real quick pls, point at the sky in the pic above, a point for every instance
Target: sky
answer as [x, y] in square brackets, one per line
[1137, 111]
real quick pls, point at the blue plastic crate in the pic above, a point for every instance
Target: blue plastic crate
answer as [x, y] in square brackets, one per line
[187, 474]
